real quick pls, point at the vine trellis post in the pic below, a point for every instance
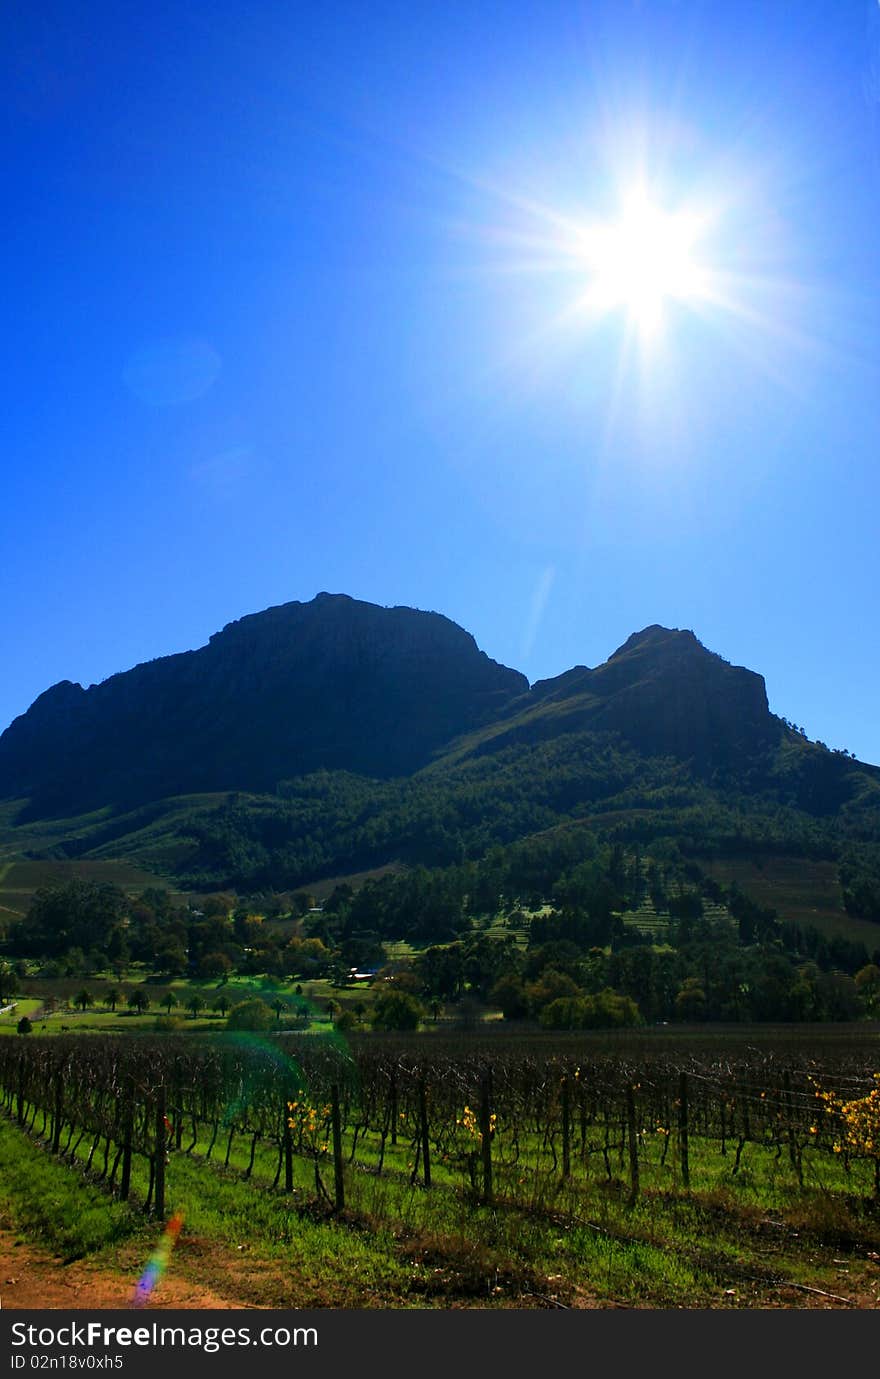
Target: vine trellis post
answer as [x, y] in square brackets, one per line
[486, 1132]
[683, 1129]
[338, 1174]
[632, 1136]
[160, 1152]
[423, 1133]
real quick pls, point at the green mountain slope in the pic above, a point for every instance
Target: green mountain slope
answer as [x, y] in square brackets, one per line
[334, 737]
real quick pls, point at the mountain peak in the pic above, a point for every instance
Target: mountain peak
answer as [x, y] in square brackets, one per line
[336, 683]
[341, 684]
[667, 692]
[664, 692]
[655, 636]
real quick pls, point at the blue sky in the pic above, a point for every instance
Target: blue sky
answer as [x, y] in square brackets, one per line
[289, 305]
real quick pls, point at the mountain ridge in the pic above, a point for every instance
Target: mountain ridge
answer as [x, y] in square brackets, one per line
[333, 683]
[335, 737]
[338, 735]
[339, 683]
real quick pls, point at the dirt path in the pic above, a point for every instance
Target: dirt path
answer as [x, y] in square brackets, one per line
[32, 1279]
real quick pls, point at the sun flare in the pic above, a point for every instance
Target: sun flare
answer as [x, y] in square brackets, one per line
[642, 260]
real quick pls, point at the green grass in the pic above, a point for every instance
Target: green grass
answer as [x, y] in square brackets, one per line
[750, 1237]
[45, 1201]
[22, 1006]
[97, 1018]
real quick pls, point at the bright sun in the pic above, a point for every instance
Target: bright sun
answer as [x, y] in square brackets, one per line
[641, 261]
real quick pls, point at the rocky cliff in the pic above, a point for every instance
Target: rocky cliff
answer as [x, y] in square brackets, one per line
[663, 691]
[345, 685]
[333, 683]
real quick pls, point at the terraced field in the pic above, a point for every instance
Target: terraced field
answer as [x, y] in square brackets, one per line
[19, 880]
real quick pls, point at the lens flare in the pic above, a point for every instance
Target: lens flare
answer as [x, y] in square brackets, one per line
[261, 1054]
[158, 1262]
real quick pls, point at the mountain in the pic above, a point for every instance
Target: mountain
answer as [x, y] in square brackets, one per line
[662, 691]
[326, 738]
[333, 684]
[338, 684]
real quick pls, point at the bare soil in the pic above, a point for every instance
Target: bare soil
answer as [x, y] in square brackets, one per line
[31, 1278]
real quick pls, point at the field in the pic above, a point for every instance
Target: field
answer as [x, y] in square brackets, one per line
[806, 892]
[20, 879]
[50, 1003]
[570, 1179]
[483, 1172]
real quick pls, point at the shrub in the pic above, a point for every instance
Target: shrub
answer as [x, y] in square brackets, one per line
[253, 1015]
[607, 1010]
[168, 1024]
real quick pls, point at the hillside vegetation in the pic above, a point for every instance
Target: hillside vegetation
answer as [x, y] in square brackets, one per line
[651, 806]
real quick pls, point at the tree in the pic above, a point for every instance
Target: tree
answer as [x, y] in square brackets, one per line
[552, 985]
[606, 1010]
[217, 905]
[74, 962]
[690, 1001]
[250, 1015]
[77, 914]
[195, 1004]
[169, 1001]
[566, 1012]
[8, 983]
[840, 996]
[613, 1010]
[867, 981]
[510, 994]
[221, 1005]
[307, 957]
[83, 999]
[278, 1006]
[441, 971]
[397, 1010]
[139, 1001]
[170, 957]
[214, 965]
[485, 960]
[111, 999]
[24, 1025]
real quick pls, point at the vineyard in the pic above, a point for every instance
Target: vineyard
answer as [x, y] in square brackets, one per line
[359, 1134]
